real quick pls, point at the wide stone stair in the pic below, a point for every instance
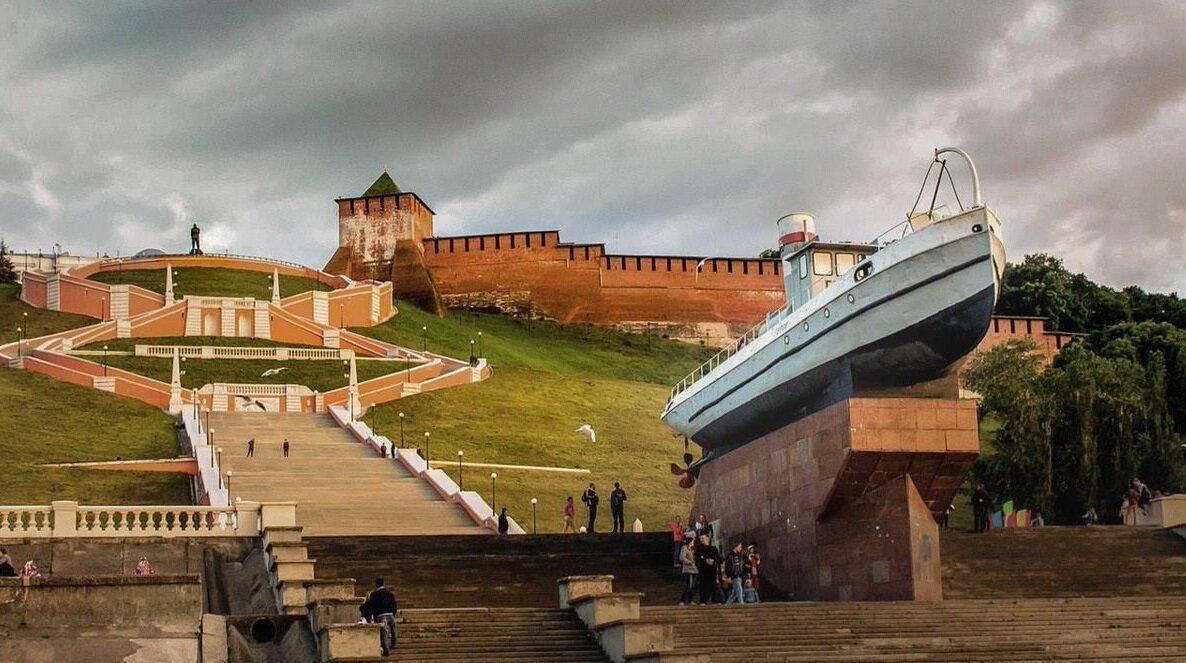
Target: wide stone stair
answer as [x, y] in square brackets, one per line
[1052, 562]
[1017, 631]
[342, 487]
[494, 635]
[506, 571]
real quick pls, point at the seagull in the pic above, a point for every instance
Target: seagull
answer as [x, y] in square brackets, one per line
[588, 431]
[274, 371]
[250, 403]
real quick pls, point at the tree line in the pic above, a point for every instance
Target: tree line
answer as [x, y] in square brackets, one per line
[1112, 406]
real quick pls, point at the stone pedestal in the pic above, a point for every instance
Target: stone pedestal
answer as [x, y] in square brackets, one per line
[842, 502]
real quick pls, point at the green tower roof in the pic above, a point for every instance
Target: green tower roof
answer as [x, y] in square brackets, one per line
[383, 186]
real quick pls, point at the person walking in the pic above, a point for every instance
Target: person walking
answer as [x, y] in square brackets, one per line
[1131, 498]
[677, 539]
[591, 500]
[735, 571]
[688, 571]
[570, 512]
[286, 447]
[251, 447]
[617, 507]
[708, 560]
[504, 523]
[981, 503]
[379, 608]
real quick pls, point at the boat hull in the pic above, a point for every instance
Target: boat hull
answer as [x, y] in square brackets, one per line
[927, 305]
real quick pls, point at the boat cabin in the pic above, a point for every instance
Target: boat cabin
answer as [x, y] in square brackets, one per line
[817, 265]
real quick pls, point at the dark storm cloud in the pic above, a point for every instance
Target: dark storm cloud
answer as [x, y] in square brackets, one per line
[659, 127]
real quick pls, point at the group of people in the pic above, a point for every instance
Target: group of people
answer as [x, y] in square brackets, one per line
[707, 574]
[1138, 496]
[29, 568]
[617, 507]
[251, 447]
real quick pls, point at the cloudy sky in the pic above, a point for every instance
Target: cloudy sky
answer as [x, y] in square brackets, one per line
[670, 127]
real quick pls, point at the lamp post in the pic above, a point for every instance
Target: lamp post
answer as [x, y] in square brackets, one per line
[473, 359]
[229, 474]
[218, 463]
[20, 341]
[401, 430]
[211, 444]
[480, 345]
[104, 361]
[197, 416]
[493, 492]
[207, 411]
[374, 408]
[460, 476]
[533, 502]
[424, 346]
[426, 461]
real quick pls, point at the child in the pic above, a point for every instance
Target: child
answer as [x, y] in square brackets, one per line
[749, 594]
[143, 568]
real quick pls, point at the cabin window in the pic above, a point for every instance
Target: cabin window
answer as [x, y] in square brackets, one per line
[844, 262]
[803, 266]
[821, 262]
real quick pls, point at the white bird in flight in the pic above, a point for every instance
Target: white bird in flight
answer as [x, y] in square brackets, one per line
[250, 403]
[588, 431]
[274, 371]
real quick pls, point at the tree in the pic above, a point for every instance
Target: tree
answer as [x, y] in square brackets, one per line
[769, 254]
[7, 269]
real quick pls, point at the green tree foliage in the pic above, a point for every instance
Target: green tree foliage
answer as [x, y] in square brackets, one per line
[1074, 434]
[1040, 285]
[7, 269]
[769, 254]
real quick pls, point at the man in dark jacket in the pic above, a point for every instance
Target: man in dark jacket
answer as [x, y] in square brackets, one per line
[504, 523]
[735, 571]
[617, 507]
[981, 504]
[590, 498]
[379, 607]
[708, 561]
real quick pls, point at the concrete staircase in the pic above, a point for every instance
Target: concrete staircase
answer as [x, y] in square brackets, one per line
[503, 571]
[1117, 629]
[494, 635]
[342, 488]
[1052, 562]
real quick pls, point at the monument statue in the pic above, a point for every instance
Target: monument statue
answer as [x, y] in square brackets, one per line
[195, 234]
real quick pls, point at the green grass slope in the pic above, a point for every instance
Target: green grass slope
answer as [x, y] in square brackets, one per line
[36, 322]
[46, 421]
[211, 281]
[548, 380]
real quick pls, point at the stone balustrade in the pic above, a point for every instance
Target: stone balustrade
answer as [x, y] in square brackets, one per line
[216, 352]
[67, 519]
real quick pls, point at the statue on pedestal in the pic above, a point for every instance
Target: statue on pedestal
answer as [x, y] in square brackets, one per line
[195, 234]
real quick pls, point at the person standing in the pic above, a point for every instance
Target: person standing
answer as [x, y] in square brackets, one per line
[687, 565]
[677, 539]
[735, 571]
[753, 562]
[1131, 498]
[591, 500]
[7, 567]
[379, 608]
[617, 507]
[504, 524]
[570, 512]
[708, 560]
[286, 447]
[981, 503]
[251, 447]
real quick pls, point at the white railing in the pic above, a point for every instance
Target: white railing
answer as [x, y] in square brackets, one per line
[707, 367]
[206, 456]
[67, 519]
[263, 389]
[219, 352]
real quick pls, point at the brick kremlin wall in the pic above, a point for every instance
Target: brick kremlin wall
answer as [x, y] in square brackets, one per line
[534, 273]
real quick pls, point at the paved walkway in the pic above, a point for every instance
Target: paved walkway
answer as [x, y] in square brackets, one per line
[342, 488]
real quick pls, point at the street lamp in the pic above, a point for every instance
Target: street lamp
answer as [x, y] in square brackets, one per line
[472, 358]
[460, 476]
[401, 430]
[480, 345]
[426, 461]
[20, 341]
[533, 501]
[229, 474]
[197, 416]
[219, 464]
[493, 492]
[104, 361]
[424, 330]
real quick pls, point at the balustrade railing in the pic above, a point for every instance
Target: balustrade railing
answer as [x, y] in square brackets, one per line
[102, 521]
[221, 352]
[26, 521]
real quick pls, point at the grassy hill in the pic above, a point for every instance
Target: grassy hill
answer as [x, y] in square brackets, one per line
[212, 281]
[36, 322]
[548, 380]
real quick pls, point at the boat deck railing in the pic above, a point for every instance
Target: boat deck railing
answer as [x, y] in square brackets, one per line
[732, 349]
